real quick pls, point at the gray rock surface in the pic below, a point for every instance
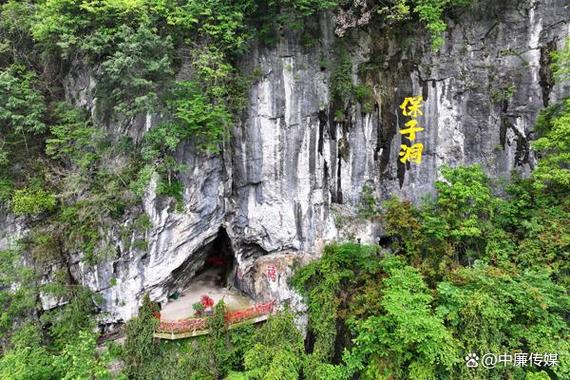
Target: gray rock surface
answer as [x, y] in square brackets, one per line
[290, 179]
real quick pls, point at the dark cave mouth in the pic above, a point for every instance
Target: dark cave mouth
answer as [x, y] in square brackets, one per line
[219, 258]
[215, 257]
[210, 271]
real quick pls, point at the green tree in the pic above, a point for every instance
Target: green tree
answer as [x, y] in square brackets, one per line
[22, 107]
[140, 349]
[134, 76]
[17, 302]
[554, 148]
[491, 310]
[561, 64]
[405, 340]
[30, 362]
[277, 352]
[79, 359]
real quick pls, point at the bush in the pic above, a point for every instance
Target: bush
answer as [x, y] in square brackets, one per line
[202, 121]
[554, 148]
[134, 77]
[32, 201]
[22, 107]
[72, 139]
[277, 351]
[140, 350]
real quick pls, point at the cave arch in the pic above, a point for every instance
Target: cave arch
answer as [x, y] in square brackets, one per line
[215, 256]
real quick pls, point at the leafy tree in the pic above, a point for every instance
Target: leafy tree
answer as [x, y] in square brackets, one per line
[277, 351]
[30, 362]
[16, 302]
[491, 310]
[77, 315]
[217, 341]
[554, 147]
[22, 107]
[135, 74]
[429, 12]
[72, 139]
[140, 349]
[452, 228]
[406, 339]
[79, 359]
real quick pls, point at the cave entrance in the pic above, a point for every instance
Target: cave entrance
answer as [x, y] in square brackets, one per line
[219, 262]
[209, 272]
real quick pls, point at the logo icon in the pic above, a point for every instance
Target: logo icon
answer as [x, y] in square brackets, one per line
[490, 360]
[472, 360]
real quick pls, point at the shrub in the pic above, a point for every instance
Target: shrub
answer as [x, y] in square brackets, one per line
[32, 201]
[140, 349]
[198, 308]
[22, 107]
[133, 78]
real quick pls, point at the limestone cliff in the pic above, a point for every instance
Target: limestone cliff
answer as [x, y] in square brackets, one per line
[292, 168]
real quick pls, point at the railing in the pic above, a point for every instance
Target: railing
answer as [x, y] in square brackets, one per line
[197, 324]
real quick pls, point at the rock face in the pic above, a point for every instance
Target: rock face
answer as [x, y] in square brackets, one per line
[292, 171]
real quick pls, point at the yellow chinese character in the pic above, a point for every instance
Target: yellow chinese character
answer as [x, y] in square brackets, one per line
[411, 130]
[411, 106]
[411, 153]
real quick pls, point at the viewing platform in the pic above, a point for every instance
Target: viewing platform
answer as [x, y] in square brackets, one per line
[192, 327]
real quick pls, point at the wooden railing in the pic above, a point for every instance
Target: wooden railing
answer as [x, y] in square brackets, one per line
[197, 324]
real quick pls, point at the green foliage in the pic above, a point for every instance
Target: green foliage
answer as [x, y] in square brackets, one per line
[405, 340]
[276, 353]
[272, 16]
[6, 189]
[18, 302]
[561, 61]
[133, 77]
[327, 286]
[75, 316]
[15, 41]
[394, 330]
[60, 344]
[199, 119]
[63, 25]
[342, 89]
[363, 94]
[79, 359]
[139, 348]
[454, 227]
[491, 310]
[72, 139]
[218, 21]
[341, 77]
[554, 148]
[32, 201]
[429, 12]
[171, 188]
[472, 273]
[27, 363]
[30, 360]
[22, 107]
[217, 340]
[368, 205]
[305, 7]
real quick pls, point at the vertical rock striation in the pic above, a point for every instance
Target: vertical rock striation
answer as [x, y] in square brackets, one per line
[290, 170]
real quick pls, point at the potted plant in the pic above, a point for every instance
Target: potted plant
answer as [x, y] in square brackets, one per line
[207, 302]
[198, 308]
